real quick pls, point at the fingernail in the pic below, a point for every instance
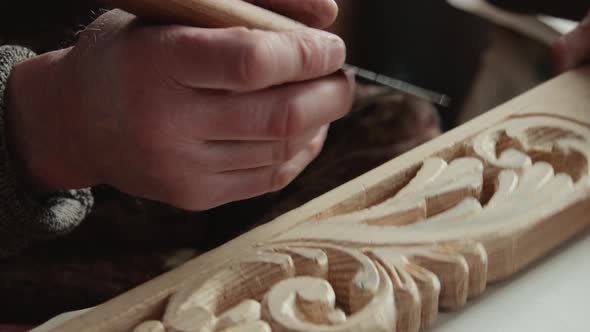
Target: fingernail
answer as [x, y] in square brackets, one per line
[328, 39]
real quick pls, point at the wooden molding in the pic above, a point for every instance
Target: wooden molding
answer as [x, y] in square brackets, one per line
[386, 251]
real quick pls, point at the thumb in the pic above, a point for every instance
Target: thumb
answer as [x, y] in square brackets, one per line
[573, 48]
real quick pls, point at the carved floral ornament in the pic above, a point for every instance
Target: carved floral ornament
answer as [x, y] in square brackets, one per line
[456, 225]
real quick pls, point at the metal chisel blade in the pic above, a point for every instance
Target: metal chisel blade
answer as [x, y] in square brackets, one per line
[431, 96]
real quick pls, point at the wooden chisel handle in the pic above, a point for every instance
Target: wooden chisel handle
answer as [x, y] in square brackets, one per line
[208, 13]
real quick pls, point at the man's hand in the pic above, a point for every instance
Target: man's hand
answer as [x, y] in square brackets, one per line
[189, 116]
[573, 49]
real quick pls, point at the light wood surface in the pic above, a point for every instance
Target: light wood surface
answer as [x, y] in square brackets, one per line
[385, 251]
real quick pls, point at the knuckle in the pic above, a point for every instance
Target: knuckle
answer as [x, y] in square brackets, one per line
[253, 62]
[178, 36]
[172, 41]
[281, 178]
[339, 95]
[295, 117]
[316, 146]
[239, 33]
[289, 119]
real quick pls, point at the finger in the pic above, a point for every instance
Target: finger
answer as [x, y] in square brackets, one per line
[314, 13]
[224, 156]
[573, 48]
[244, 184]
[239, 59]
[272, 114]
[572, 9]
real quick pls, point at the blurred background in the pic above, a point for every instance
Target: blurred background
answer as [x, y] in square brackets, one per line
[465, 54]
[455, 47]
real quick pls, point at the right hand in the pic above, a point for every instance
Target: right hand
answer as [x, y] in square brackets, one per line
[189, 116]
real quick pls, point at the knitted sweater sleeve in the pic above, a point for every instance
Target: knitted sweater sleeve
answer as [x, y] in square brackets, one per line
[24, 217]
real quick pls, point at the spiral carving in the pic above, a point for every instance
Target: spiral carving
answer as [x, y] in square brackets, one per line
[458, 224]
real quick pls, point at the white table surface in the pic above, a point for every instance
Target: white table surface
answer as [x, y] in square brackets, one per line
[553, 295]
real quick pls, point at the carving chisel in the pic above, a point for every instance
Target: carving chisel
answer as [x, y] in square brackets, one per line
[233, 13]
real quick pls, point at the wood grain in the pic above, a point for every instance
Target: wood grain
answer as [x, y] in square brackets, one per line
[384, 252]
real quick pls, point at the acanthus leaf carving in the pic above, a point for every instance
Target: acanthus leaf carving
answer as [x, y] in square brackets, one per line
[457, 225]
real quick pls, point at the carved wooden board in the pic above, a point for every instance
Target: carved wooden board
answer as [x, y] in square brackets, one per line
[385, 252]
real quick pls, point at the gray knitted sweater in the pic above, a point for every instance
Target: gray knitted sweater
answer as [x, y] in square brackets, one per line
[25, 218]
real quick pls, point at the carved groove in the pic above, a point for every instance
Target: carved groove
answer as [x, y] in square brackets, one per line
[435, 243]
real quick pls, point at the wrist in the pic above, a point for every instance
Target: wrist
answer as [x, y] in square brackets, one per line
[37, 128]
